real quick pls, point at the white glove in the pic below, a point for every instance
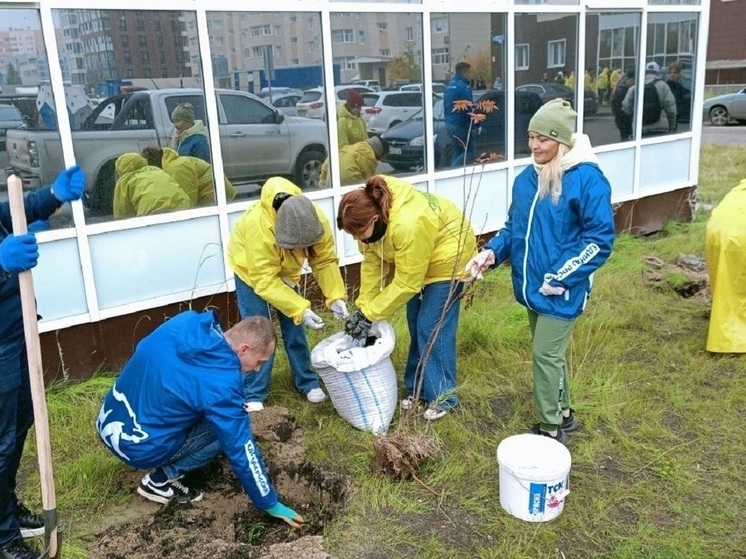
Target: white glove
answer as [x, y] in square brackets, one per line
[546, 289]
[312, 320]
[477, 265]
[339, 308]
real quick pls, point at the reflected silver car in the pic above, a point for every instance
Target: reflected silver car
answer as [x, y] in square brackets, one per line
[725, 109]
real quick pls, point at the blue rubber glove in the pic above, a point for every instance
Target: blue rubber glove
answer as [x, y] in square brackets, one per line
[18, 253]
[287, 514]
[69, 184]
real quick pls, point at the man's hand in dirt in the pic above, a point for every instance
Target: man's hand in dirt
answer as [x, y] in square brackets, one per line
[282, 512]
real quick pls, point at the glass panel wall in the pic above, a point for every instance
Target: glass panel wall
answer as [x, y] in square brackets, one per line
[27, 115]
[469, 60]
[546, 46]
[379, 91]
[612, 50]
[269, 69]
[135, 88]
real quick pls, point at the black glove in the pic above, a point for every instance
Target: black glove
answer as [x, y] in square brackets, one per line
[357, 326]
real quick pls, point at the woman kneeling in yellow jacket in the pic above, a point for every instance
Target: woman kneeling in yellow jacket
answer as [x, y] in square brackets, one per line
[266, 251]
[428, 241]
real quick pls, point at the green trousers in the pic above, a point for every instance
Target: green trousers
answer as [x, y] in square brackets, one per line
[551, 337]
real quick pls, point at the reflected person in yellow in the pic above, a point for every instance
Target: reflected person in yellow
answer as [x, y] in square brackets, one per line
[143, 189]
[351, 128]
[725, 249]
[357, 162]
[194, 175]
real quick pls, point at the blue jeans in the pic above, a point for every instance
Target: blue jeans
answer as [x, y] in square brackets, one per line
[199, 448]
[16, 418]
[256, 385]
[458, 142]
[423, 314]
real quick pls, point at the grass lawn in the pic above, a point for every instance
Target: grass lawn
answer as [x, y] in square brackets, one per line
[657, 462]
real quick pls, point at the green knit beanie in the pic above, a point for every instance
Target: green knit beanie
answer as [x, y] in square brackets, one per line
[555, 120]
[184, 112]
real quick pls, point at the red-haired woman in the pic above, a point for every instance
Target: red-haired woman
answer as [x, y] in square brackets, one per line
[427, 240]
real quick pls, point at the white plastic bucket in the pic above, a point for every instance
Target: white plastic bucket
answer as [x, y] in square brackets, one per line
[534, 476]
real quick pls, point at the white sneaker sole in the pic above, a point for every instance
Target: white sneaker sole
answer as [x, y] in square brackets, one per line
[31, 532]
[155, 498]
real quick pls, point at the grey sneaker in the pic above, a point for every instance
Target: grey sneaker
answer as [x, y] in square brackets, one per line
[407, 402]
[434, 412]
[316, 395]
[164, 493]
[569, 423]
[560, 437]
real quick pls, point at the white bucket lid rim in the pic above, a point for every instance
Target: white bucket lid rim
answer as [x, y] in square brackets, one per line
[534, 458]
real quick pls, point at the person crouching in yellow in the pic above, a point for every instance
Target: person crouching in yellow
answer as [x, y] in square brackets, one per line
[193, 174]
[725, 249]
[357, 162]
[427, 241]
[143, 189]
[267, 249]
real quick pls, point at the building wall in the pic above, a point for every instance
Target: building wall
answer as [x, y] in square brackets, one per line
[727, 38]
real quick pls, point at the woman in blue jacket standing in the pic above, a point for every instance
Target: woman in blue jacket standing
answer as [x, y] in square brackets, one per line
[560, 230]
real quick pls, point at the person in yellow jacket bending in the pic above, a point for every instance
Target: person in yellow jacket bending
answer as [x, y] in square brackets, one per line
[267, 248]
[357, 162]
[725, 249]
[193, 174]
[143, 189]
[427, 241]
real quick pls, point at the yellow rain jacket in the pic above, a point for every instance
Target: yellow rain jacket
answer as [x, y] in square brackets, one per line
[267, 268]
[194, 176]
[143, 189]
[614, 78]
[603, 80]
[427, 240]
[357, 162]
[726, 262]
[351, 129]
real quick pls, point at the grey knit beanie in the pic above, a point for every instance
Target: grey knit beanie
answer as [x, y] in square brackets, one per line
[297, 225]
[556, 120]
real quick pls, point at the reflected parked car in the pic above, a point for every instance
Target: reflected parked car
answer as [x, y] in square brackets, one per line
[406, 141]
[283, 101]
[385, 109]
[10, 117]
[548, 91]
[313, 102]
[726, 109]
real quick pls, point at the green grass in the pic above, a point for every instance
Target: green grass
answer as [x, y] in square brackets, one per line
[657, 462]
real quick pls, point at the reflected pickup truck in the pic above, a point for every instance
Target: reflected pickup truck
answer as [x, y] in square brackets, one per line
[256, 141]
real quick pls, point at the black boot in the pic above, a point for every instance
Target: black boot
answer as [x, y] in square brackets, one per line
[31, 524]
[17, 549]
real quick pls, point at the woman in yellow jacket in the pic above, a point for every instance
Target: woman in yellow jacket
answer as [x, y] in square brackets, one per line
[427, 241]
[726, 253]
[266, 251]
[143, 189]
[357, 162]
[351, 128]
[193, 174]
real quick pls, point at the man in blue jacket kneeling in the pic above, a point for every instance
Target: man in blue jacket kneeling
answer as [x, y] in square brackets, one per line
[178, 403]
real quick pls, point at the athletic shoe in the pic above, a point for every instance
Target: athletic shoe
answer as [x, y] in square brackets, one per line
[316, 395]
[569, 423]
[434, 412]
[560, 437]
[168, 491]
[249, 407]
[407, 402]
[17, 549]
[31, 524]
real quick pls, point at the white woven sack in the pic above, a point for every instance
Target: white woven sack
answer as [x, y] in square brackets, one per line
[360, 380]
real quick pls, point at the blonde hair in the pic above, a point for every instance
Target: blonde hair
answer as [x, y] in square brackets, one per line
[255, 330]
[550, 175]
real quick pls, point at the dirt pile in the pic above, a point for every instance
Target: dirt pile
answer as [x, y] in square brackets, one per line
[224, 525]
[687, 276]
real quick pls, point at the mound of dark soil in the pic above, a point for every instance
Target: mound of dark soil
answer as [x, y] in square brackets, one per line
[225, 525]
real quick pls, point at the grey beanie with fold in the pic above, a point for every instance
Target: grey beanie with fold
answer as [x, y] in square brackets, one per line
[297, 225]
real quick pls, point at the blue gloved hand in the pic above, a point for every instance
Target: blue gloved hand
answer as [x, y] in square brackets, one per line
[38, 225]
[18, 253]
[357, 326]
[287, 514]
[69, 184]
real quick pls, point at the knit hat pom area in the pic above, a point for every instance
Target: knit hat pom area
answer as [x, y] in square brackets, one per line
[354, 99]
[184, 112]
[556, 120]
[297, 225]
